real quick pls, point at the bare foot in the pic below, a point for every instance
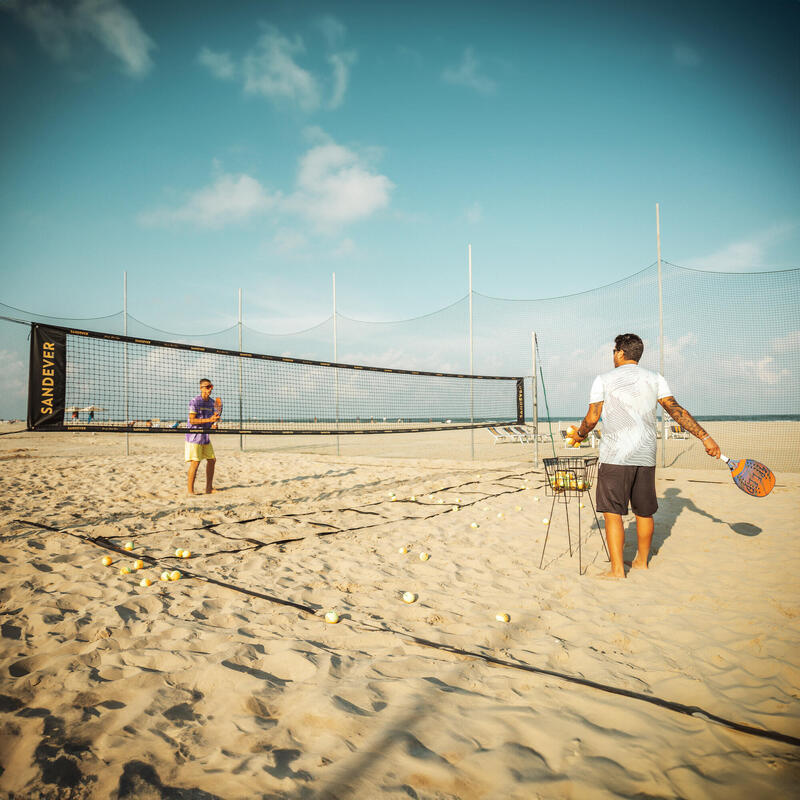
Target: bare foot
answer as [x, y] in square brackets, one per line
[211, 491]
[639, 563]
[612, 575]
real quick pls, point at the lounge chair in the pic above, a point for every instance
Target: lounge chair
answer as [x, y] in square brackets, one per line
[500, 435]
[675, 431]
[521, 433]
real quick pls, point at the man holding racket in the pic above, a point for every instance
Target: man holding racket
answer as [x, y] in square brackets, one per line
[203, 415]
[628, 398]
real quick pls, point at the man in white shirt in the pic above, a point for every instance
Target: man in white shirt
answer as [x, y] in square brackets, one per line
[627, 397]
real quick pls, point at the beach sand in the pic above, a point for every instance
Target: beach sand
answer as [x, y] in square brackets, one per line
[239, 689]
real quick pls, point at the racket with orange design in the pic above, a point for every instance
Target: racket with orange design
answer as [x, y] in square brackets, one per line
[750, 476]
[217, 410]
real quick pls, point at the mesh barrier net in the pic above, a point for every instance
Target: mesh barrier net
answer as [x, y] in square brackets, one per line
[731, 356]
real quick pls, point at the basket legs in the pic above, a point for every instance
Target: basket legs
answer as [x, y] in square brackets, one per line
[549, 522]
[599, 529]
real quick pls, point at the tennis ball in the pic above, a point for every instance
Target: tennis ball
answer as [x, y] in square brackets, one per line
[392, 499]
[164, 575]
[503, 618]
[179, 553]
[124, 571]
[138, 564]
[424, 556]
[175, 575]
[413, 498]
[403, 551]
[572, 429]
[517, 508]
[145, 582]
[581, 505]
[128, 545]
[106, 560]
[409, 597]
[455, 508]
[458, 499]
[570, 442]
[474, 525]
[545, 521]
[186, 554]
[440, 501]
[332, 617]
[499, 515]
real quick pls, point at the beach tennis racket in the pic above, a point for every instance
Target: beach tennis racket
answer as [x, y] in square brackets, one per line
[217, 410]
[750, 476]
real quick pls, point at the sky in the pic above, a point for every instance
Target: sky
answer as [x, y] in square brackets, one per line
[204, 147]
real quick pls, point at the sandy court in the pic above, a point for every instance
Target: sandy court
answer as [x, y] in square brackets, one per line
[237, 688]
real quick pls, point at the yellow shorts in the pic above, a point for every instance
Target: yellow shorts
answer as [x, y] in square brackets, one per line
[197, 452]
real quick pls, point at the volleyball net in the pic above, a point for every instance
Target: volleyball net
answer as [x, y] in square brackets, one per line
[83, 380]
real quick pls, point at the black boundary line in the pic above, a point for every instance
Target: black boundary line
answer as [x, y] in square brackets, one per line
[680, 708]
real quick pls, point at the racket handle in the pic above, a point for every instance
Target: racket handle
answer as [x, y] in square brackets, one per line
[724, 458]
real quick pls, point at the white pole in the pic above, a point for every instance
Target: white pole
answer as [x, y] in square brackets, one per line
[241, 436]
[471, 371]
[534, 398]
[335, 361]
[661, 338]
[125, 355]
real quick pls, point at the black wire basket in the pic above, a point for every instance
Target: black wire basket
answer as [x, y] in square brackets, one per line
[569, 476]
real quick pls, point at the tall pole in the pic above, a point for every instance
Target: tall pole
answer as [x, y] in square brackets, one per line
[471, 370]
[335, 361]
[125, 355]
[534, 398]
[661, 337]
[241, 436]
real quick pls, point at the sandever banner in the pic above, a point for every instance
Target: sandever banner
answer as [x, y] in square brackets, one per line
[47, 380]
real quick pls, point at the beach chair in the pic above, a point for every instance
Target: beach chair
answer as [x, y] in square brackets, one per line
[499, 436]
[675, 431]
[521, 433]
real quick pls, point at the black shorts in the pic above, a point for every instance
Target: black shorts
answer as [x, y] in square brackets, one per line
[619, 483]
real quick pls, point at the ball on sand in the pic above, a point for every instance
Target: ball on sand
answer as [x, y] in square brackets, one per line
[545, 521]
[581, 505]
[124, 571]
[403, 551]
[106, 561]
[332, 617]
[175, 575]
[164, 575]
[499, 515]
[138, 564]
[186, 554]
[503, 618]
[413, 498]
[409, 597]
[474, 525]
[145, 582]
[128, 545]
[455, 508]
[424, 556]
[517, 508]
[179, 553]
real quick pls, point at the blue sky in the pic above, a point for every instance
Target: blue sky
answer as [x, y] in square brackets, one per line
[206, 146]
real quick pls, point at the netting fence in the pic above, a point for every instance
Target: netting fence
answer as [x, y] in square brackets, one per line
[731, 355]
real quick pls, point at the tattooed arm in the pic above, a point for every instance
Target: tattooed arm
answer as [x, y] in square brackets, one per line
[689, 423]
[590, 420]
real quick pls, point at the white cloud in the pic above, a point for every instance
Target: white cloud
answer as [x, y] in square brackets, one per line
[270, 70]
[746, 254]
[468, 74]
[220, 65]
[764, 370]
[787, 344]
[289, 241]
[15, 377]
[230, 199]
[336, 187]
[58, 27]
[474, 213]
[685, 55]
[273, 69]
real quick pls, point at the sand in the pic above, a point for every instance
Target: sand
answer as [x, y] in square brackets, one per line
[194, 689]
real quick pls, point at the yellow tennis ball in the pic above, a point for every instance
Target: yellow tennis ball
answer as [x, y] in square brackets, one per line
[124, 571]
[535, 499]
[186, 554]
[499, 515]
[572, 429]
[179, 553]
[332, 617]
[424, 556]
[175, 575]
[503, 618]
[474, 525]
[138, 564]
[106, 560]
[403, 551]
[569, 441]
[455, 508]
[128, 545]
[545, 521]
[581, 505]
[517, 508]
[413, 498]
[409, 597]
[145, 582]
[164, 575]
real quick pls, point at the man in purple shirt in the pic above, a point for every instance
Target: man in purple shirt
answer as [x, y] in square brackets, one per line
[203, 415]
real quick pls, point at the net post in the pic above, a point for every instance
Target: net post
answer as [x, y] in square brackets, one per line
[336, 361]
[125, 331]
[534, 400]
[241, 436]
[471, 370]
[661, 337]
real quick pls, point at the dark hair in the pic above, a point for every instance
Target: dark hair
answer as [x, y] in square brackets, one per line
[631, 345]
[204, 380]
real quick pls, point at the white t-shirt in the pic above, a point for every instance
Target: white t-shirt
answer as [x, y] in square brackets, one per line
[630, 396]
